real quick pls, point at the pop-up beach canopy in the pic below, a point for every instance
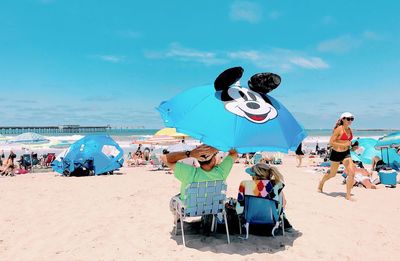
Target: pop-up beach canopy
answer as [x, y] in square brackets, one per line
[95, 154]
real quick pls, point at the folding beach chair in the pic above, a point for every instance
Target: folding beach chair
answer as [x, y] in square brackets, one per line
[49, 159]
[202, 198]
[277, 159]
[156, 163]
[257, 157]
[260, 210]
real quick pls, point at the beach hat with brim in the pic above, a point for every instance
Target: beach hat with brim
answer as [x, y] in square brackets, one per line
[346, 115]
[252, 170]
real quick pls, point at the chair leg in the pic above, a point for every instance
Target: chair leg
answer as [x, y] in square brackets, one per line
[213, 223]
[275, 227]
[176, 223]
[183, 233]
[240, 226]
[226, 227]
[247, 230]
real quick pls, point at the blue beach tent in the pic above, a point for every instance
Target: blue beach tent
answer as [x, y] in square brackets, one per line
[92, 155]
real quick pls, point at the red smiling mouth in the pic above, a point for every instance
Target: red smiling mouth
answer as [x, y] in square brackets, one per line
[256, 117]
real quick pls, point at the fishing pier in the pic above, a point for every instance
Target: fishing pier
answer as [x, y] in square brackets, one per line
[54, 129]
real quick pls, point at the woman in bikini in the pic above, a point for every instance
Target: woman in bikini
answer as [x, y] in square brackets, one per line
[341, 143]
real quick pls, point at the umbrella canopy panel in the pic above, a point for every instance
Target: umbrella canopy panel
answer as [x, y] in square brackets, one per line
[170, 132]
[200, 113]
[389, 141]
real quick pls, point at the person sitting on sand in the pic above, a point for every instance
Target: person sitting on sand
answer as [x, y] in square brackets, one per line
[8, 165]
[377, 164]
[362, 176]
[208, 170]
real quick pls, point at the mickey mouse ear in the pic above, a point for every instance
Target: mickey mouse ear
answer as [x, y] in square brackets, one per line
[264, 82]
[227, 78]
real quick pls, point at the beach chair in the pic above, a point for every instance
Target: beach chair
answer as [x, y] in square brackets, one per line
[260, 210]
[156, 163]
[202, 198]
[257, 157]
[49, 159]
[277, 159]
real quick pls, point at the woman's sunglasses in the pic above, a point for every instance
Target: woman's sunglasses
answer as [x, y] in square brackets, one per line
[349, 118]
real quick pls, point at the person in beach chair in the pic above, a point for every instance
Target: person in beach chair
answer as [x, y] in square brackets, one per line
[26, 161]
[48, 159]
[261, 200]
[361, 177]
[208, 170]
[378, 164]
[7, 169]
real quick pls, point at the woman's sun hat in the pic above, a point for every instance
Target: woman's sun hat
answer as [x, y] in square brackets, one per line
[252, 170]
[346, 115]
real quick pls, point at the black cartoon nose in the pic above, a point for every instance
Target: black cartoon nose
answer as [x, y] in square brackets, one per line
[253, 105]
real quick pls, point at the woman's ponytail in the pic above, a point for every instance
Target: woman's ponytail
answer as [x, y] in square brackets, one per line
[339, 122]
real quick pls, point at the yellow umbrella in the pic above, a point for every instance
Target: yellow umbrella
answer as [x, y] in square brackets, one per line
[170, 132]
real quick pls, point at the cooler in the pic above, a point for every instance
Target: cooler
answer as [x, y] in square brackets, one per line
[388, 177]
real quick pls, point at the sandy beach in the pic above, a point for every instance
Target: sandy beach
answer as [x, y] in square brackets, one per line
[126, 217]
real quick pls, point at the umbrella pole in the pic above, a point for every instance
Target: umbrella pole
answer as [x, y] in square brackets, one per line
[387, 154]
[30, 148]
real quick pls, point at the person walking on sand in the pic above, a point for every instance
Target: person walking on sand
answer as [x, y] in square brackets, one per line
[341, 143]
[299, 155]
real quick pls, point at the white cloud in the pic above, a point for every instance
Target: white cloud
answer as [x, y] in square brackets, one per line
[309, 63]
[281, 59]
[245, 11]
[346, 43]
[369, 35]
[110, 58]
[271, 58]
[340, 44]
[178, 52]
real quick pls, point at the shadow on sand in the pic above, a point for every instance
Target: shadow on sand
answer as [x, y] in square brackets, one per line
[216, 242]
[336, 194]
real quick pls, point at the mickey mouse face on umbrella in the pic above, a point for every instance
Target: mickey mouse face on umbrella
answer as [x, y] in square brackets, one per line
[250, 103]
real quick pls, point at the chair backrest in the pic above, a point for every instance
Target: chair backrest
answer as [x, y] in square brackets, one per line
[50, 157]
[257, 158]
[204, 198]
[258, 210]
[156, 161]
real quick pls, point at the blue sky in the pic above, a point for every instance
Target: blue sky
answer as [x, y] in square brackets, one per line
[112, 62]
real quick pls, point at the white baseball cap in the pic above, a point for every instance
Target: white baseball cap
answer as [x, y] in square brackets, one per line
[346, 115]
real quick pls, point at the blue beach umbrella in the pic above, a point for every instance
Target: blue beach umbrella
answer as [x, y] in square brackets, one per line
[226, 115]
[369, 151]
[355, 156]
[97, 153]
[29, 138]
[388, 146]
[389, 141]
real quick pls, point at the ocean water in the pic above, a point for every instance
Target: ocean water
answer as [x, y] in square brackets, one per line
[128, 134]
